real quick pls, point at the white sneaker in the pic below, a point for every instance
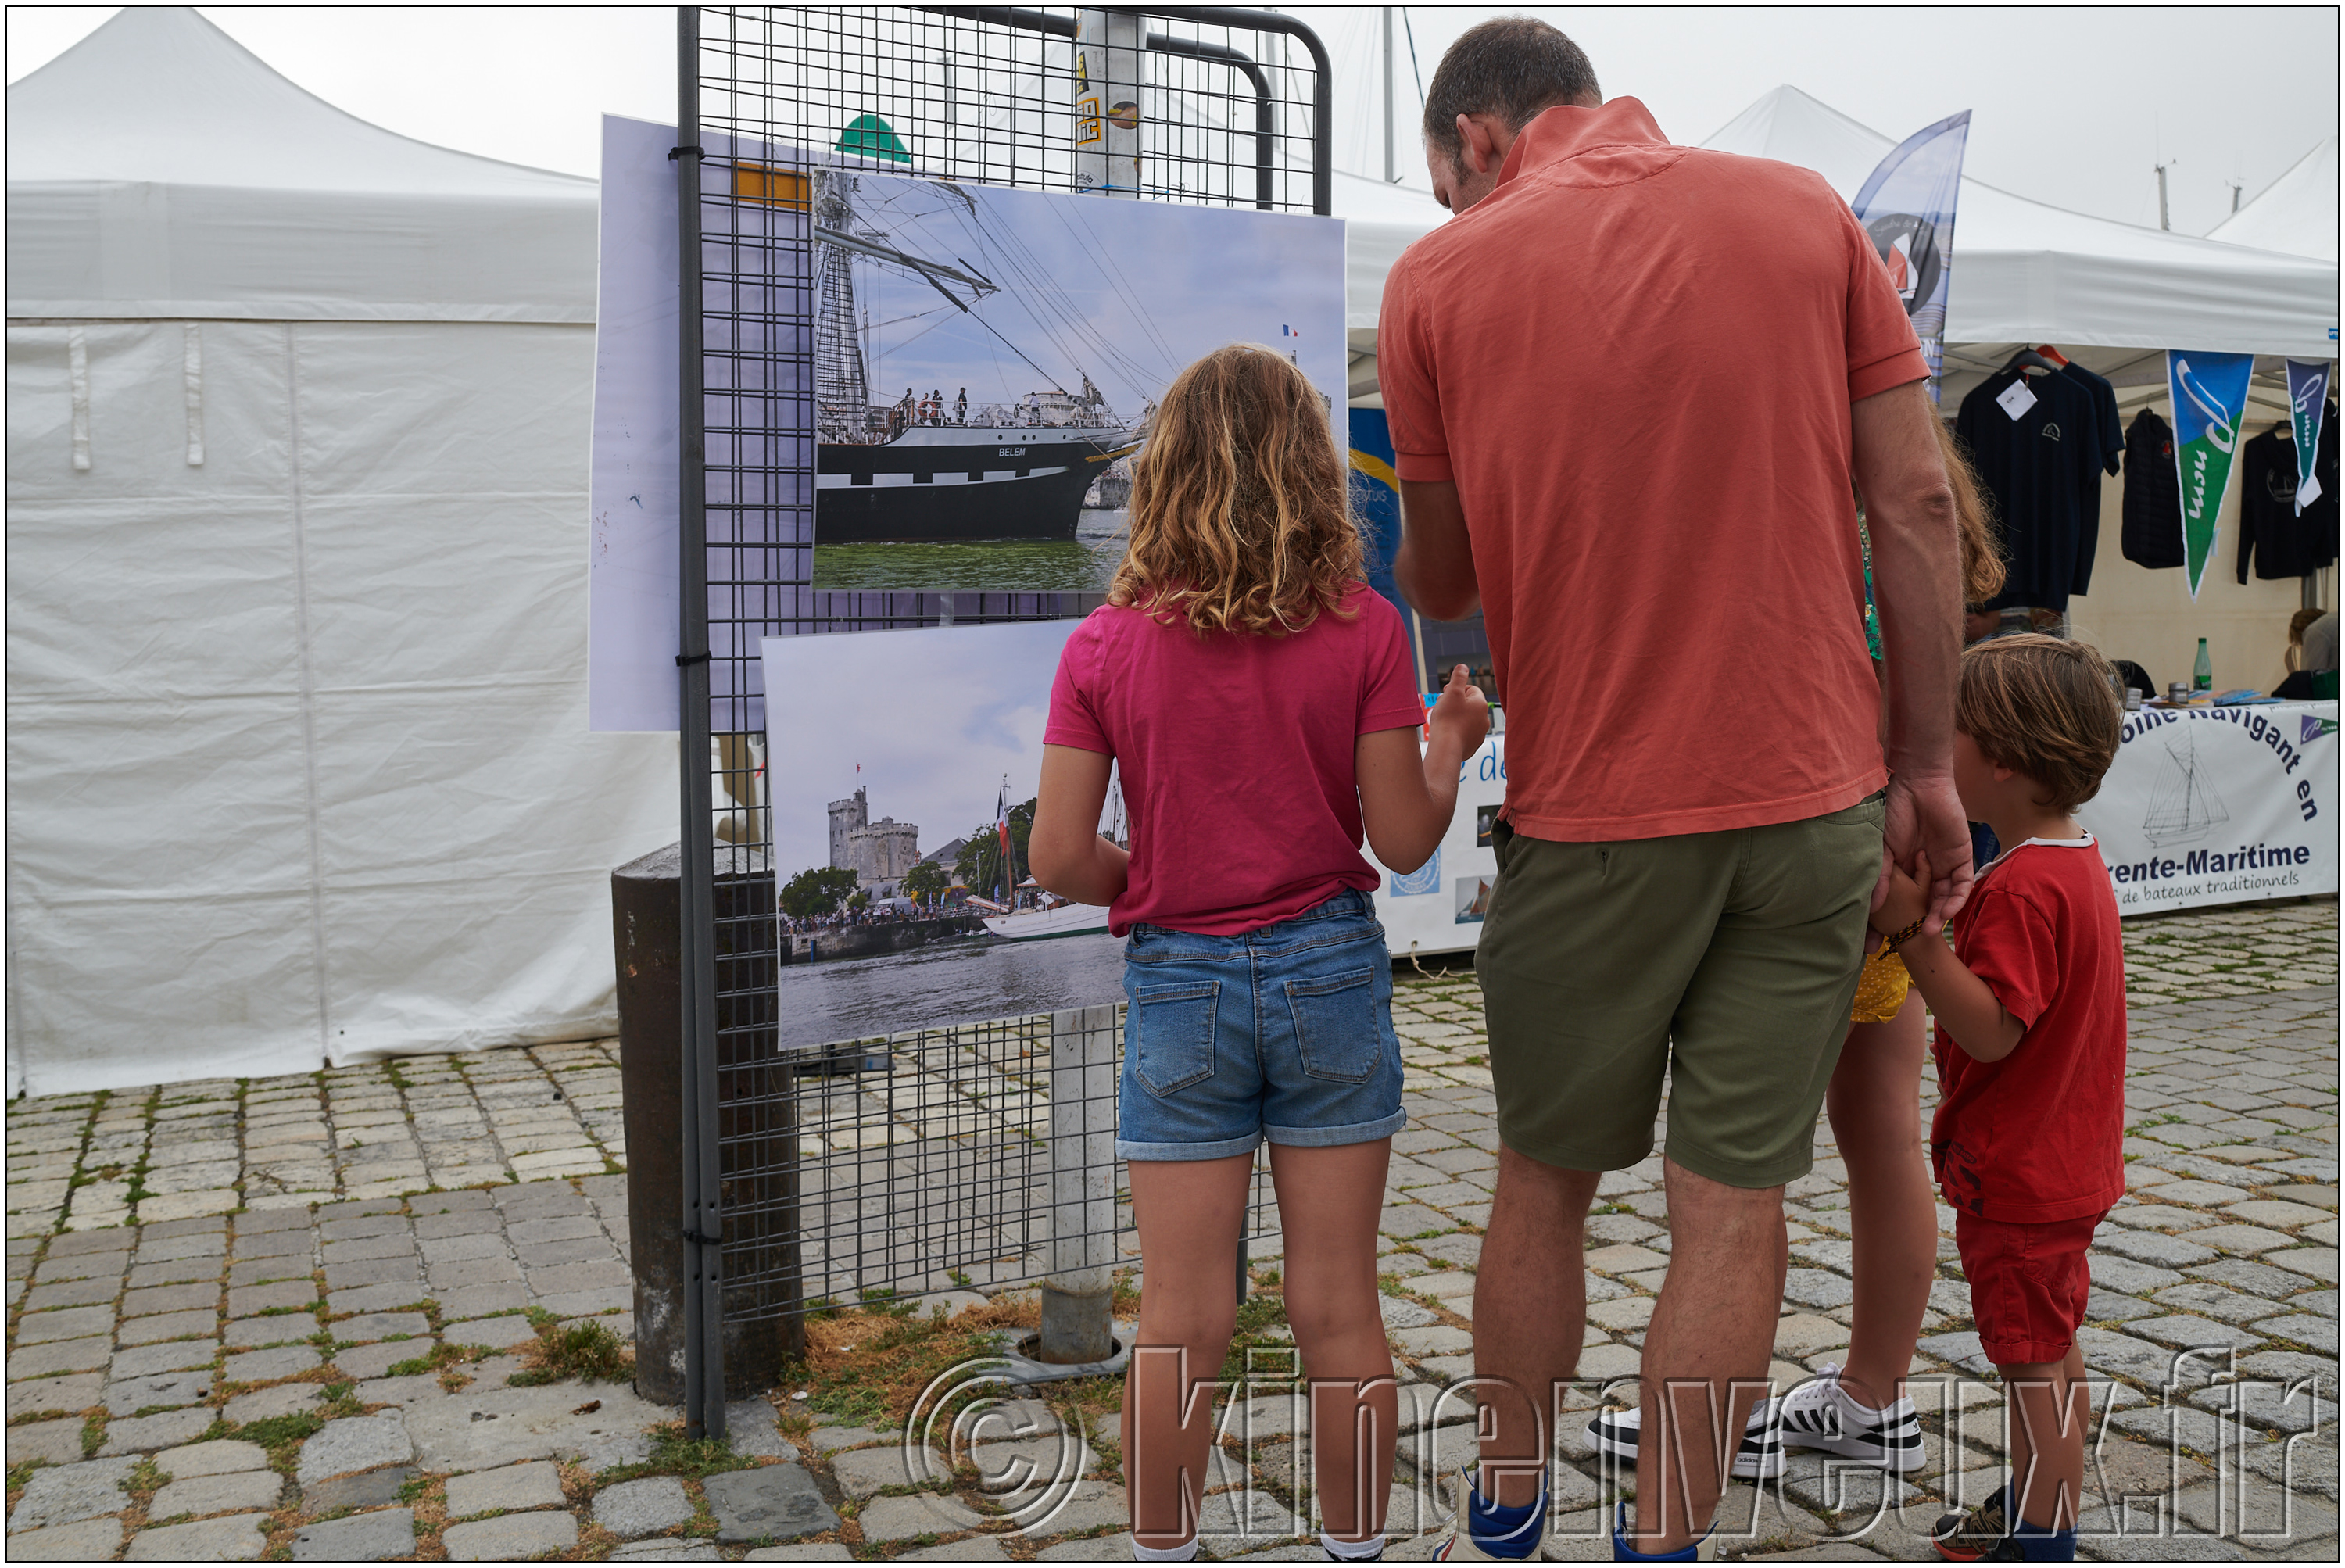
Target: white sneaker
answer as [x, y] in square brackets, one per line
[1758, 1457]
[1821, 1414]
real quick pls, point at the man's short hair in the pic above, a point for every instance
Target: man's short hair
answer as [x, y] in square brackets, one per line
[1511, 67]
[2045, 708]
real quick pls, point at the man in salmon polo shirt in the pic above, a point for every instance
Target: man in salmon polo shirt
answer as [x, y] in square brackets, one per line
[1630, 385]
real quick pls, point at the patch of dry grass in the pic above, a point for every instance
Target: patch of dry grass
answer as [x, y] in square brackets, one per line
[873, 1366]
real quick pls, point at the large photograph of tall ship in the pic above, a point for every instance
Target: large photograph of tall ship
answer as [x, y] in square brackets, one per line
[1031, 335]
[900, 800]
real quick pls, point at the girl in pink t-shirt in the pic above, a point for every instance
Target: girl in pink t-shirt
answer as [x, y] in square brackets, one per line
[1260, 705]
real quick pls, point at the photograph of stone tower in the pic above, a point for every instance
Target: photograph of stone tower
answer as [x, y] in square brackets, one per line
[879, 853]
[884, 930]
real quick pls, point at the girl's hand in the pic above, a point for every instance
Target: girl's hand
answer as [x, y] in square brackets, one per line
[1409, 794]
[1461, 718]
[1907, 899]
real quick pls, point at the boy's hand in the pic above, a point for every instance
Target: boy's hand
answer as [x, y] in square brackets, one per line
[1906, 899]
[1461, 717]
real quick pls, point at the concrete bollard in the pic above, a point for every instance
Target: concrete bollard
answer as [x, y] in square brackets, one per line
[1078, 1321]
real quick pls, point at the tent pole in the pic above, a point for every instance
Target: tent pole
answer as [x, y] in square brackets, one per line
[1390, 175]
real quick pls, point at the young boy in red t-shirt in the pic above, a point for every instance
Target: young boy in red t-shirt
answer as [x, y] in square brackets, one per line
[2031, 1049]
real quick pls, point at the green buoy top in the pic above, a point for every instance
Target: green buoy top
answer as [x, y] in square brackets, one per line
[873, 138]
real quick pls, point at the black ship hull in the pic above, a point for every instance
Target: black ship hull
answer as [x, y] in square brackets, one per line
[949, 493]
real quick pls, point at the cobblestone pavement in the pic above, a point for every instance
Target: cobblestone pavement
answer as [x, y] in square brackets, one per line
[317, 1364]
[2242, 951]
[349, 1134]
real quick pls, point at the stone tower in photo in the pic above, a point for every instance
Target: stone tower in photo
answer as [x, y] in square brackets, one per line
[882, 852]
[846, 817]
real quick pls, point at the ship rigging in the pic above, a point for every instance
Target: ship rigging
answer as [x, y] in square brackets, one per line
[926, 467]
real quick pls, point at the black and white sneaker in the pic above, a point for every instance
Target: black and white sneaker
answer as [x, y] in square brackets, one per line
[1759, 1457]
[1821, 1414]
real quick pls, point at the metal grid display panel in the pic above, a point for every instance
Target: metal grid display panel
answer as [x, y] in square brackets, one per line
[932, 1157]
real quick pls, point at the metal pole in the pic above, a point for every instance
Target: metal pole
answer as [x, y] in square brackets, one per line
[1107, 102]
[1266, 111]
[2161, 198]
[1391, 175]
[704, 1367]
[1323, 86]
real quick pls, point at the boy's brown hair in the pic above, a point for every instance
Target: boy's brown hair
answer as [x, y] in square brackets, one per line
[2045, 708]
[1241, 520]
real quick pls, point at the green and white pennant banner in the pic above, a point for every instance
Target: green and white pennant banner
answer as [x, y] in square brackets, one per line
[2308, 403]
[2210, 398]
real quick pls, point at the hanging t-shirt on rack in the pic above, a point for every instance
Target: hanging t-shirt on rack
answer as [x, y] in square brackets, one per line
[2285, 543]
[2038, 451]
[2109, 434]
[2152, 494]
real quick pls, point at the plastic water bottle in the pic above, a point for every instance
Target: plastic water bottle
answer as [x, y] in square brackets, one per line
[2202, 674]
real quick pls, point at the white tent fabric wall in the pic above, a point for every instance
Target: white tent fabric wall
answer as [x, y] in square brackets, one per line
[297, 754]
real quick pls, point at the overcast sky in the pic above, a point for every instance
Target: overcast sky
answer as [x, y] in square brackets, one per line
[1153, 290]
[2072, 106]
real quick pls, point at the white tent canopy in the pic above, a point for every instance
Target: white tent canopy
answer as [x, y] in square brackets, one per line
[298, 418]
[158, 169]
[2296, 213]
[2024, 272]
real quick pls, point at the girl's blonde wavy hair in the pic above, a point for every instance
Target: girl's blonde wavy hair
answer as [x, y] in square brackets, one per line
[1241, 520]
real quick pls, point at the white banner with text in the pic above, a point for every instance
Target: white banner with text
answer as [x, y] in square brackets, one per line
[1438, 907]
[2219, 806]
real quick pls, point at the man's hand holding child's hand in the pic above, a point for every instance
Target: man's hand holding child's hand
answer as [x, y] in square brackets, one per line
[1908, 897]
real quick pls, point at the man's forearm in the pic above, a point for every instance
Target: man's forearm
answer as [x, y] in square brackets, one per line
[1434, 568]
[1917, 583]
[1917, 574]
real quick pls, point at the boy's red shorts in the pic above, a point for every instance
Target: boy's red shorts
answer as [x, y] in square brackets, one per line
[2028, 1285]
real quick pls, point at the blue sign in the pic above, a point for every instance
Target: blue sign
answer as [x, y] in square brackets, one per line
[1375, 500]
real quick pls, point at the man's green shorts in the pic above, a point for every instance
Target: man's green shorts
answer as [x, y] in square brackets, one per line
[1728, 960]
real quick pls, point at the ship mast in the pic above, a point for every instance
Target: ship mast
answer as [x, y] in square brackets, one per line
[843, 346]
[842, 399]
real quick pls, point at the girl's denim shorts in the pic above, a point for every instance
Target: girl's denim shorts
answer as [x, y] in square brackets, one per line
[1284, 1033]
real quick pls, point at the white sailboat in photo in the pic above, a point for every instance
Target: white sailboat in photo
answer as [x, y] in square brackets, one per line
[1059, 919]
[1054, 916]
